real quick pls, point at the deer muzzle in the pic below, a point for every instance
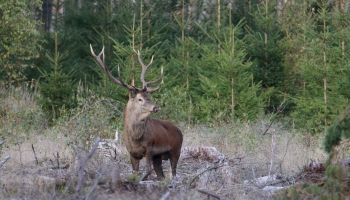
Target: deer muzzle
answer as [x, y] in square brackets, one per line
[155, 109]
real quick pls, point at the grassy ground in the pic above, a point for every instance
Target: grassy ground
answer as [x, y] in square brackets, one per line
[249, 154]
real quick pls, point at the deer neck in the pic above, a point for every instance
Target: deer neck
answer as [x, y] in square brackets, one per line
[135, 122]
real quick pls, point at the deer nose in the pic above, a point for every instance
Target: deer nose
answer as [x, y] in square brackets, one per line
[155, 109]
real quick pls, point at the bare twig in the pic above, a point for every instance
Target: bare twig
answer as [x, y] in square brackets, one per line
[93, 187]
[82, 164]
[165, 196]
[58, 159]
[146, 175]
[66, 166]
[97, 102]
[281, 107]
[273, 145]
[4, 160]
[208, 169]
[36, 158]
[209, 193]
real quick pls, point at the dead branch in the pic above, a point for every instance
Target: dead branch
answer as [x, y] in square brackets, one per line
[88, 107]
[280, 108]
[58, 159]
[81, 168]
[66, 166]
[165, 196]
[146, 175]
[93, 187]
[209, 193]
[4, 160]
[36, 158]
[208, 169]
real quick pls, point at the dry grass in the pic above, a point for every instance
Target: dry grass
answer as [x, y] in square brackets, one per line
[249, 154]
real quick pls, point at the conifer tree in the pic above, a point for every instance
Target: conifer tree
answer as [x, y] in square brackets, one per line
[226, 80]
[266, 51]
[320, 99]
[56, 87]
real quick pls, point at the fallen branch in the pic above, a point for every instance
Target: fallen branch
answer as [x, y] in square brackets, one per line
[165, 196]
[280, 109]
[208, 169]
[66, 166]
[36, 158]
[81, 168]
[209, 193]
[4, 160]
[146, 175]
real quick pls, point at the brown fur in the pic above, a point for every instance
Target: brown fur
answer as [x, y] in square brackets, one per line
[154, 139]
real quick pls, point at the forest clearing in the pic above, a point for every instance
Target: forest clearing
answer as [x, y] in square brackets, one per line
[252, 100]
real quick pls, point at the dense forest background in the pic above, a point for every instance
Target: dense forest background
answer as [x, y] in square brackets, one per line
[223, 60]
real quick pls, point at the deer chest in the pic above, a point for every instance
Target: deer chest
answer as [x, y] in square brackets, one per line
[137, 151]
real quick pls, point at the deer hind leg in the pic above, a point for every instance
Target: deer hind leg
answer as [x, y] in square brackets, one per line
[157, 165]
[173, 162]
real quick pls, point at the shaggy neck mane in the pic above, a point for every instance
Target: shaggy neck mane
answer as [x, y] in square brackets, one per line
[135, 127]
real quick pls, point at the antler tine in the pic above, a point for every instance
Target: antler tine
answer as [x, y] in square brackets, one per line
[104, 67]
[150, 90]
[143, 73]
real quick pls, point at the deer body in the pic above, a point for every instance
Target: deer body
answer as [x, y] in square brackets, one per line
[144, 136]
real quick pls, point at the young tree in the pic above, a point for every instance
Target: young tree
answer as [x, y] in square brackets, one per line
[321, 67]
[266, 51]
[226, 79]
[19, 39]
[56, 87]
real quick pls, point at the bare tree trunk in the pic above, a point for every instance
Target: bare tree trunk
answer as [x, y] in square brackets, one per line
[342, 10]
[132, 57]
[325, 69]
[141, 24]
[218, 22]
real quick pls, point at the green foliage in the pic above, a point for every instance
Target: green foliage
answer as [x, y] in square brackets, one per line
[340, 128]
[57, 87]
[321, 97]
[19, 115]
[266, 51]
[221, 62]
[227, 87]
[334, 186]
[19, 39]
[56, 93]
[92, 117]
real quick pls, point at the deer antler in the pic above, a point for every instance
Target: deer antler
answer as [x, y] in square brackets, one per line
[104, 67]
[144, 69]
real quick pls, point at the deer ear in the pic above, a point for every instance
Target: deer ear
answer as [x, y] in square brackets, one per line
[133, 93]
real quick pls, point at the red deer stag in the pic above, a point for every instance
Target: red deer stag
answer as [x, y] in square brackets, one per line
[144, 136]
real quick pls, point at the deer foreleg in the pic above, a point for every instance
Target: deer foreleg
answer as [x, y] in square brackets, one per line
[135, 164]
[148, 165]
